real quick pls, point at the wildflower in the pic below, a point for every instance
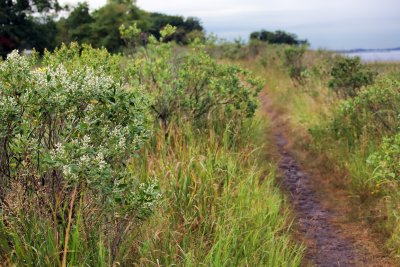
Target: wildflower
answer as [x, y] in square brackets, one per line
[85, 142]
[66, 171]
[84, 160]
[122, 142]
[101, 161]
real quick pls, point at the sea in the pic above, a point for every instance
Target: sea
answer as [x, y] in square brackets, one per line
[376, 56]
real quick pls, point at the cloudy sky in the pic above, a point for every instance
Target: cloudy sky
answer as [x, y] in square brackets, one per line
[334, 24]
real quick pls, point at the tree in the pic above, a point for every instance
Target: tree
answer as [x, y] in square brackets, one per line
[77, 26]
[108, 19]
[185, 28]
[18, 27]
[277, 37]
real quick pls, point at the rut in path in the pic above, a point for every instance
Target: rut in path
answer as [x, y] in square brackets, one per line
[328, 248]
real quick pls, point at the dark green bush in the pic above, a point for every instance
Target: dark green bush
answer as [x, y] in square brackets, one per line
[293, 61]
[373, 112]
[349, 75]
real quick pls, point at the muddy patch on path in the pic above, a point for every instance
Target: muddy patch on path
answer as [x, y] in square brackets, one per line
[327, 247]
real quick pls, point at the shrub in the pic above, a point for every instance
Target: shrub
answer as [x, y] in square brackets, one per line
[192, 86]
[75, 56]
[66, 140]
[293, 60]
[349, 75]
[374, 112]
[386, 161]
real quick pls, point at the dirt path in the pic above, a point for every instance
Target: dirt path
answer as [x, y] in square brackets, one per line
[327, 247]
[331, 239]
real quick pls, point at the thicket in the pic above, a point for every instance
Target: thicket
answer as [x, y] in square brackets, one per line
[374, 113]
[88, 177]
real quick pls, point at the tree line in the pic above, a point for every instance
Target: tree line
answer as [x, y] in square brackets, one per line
[37, 24]
[277, 37]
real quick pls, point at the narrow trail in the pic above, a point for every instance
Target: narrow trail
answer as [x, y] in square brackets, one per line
[328, 248]
[331, 240]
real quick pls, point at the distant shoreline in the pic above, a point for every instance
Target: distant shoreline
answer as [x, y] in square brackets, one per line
[364, 50]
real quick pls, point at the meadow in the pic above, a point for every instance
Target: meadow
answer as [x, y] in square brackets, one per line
[163, 155]
[342, 116]
[154, 158]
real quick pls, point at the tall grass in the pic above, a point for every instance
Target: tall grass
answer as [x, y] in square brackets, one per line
[220, 206]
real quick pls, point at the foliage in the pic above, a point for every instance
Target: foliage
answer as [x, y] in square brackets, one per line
[190, 85]
[185, 28]
[293, 60]
[374, 112]
[77, 26]
[277, 37]
[20, 29]
[34, 24]
[349, 75]
[69, 134]
[101, 28]
[79, 158]
[132, 36]
[75, 56]
[386, 161]
[219, 208]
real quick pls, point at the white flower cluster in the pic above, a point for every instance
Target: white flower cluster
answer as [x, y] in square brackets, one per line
[58, 152]
[100, 160]
[119, 133]
[79, 158]
[8, 103]
[89, 117]
[15, 62]
[152, 194]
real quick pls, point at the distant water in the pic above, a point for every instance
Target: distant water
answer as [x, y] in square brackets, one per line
[377, 56]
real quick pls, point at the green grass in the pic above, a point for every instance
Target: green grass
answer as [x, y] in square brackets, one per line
[220, 207]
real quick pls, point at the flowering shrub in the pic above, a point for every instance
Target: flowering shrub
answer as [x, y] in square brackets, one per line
[64, 128]
[75, 176]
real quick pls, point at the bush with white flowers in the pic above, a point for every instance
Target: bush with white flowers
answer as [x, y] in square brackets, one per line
[64, 128]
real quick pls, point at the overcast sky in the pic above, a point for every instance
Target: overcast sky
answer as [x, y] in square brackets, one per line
[334, 24]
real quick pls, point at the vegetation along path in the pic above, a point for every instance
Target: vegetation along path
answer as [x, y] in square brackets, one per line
[327, 243]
